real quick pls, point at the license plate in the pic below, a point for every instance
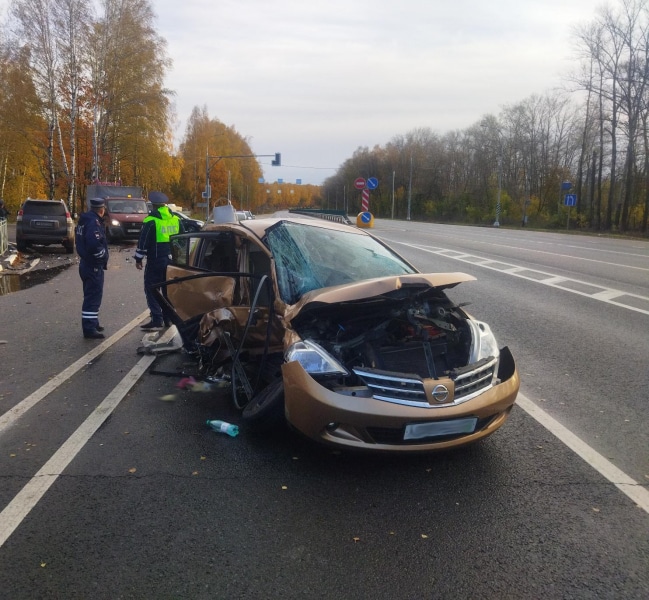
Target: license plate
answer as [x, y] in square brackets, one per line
[132, 230]
[44, 224]
[417, 431]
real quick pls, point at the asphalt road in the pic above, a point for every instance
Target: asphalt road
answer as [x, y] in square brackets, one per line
[111, 489]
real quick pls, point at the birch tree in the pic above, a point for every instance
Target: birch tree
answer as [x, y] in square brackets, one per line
[35, 29]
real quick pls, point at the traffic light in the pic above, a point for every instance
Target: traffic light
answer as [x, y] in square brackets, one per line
[277, 161]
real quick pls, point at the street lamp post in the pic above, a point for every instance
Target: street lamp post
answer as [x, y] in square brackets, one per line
[393, 173]
[500, 186]
[276, 162]
[487, 127]
[409, 190]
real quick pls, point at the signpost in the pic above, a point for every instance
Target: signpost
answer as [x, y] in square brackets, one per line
[365, 218]
[569, 200]
[365, 202]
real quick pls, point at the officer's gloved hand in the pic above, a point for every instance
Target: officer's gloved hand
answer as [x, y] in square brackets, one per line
[105, 267]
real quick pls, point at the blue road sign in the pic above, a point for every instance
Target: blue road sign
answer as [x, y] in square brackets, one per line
[570, 200]
[372, 183]
[366, 217]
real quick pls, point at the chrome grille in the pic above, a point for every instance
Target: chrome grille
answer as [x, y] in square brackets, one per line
[409, 389]
[471, 383]
[393, 387]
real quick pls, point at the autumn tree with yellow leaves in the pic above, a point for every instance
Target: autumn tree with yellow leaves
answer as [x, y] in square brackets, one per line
[94, 104]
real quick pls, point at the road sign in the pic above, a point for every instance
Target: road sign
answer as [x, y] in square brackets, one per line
[366, 217]
[570, 200]
[359, 183]
[365, 203]
[372, 183]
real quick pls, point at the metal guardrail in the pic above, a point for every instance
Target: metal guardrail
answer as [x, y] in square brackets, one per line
[4, 236]
[339, 216]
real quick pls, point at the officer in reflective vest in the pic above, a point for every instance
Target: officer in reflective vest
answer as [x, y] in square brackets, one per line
[154, 244]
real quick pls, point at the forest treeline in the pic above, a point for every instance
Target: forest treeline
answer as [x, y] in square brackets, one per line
[589, 140]
[83, 98]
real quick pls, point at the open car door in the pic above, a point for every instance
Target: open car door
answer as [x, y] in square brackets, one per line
[219, 294]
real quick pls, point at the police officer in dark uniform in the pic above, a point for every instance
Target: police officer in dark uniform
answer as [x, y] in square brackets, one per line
[154, 245]
[92, 247]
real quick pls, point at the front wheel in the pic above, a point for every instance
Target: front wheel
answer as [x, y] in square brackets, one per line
[266, 410]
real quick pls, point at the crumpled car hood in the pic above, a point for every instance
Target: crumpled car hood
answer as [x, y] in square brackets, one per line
[373, 289]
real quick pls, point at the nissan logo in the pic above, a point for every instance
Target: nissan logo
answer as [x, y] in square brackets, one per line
[440, 393]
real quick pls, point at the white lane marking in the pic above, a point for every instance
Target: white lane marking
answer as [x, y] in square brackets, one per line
[22, 504]
[600, 293]
[585, 248]
[554, 243]
[628, 486]
[14, 413]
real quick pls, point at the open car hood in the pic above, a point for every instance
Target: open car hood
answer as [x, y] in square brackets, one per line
[374, 289]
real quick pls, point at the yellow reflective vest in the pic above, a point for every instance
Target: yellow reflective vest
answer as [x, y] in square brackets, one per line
[166, 226]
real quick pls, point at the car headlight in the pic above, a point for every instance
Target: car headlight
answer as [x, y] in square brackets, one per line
[483, 343]
[115, 223]
[314, 359]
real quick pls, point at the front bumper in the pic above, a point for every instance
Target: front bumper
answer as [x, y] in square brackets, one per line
[123, 232]
[64, 237]
[365, 423]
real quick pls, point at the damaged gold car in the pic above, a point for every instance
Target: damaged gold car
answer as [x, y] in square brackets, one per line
[323, 326]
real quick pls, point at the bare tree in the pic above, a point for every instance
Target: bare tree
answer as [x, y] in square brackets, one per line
[72, 25]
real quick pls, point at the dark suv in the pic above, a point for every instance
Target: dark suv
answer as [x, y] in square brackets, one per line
[44, 222]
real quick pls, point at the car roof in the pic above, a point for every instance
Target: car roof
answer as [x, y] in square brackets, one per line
[259, 226]
[43, 200]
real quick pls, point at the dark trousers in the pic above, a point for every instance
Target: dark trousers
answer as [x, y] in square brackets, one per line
[155, 271]
[93, 290]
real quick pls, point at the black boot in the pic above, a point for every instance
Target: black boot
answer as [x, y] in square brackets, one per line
[93, 334]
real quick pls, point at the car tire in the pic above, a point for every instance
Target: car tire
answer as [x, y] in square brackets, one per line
[69, 248]
[21, 246]
[266, 410]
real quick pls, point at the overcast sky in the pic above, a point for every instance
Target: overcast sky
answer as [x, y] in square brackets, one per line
[316, 79]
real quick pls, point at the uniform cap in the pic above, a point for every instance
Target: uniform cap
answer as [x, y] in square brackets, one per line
[97, 202]
[158, 198]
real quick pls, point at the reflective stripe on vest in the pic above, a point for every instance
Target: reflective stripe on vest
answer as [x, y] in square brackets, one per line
[166, 226]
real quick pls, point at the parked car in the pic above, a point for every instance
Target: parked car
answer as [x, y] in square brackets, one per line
[188, 224]
[244, 215]
[44, 222]
[324, 326]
